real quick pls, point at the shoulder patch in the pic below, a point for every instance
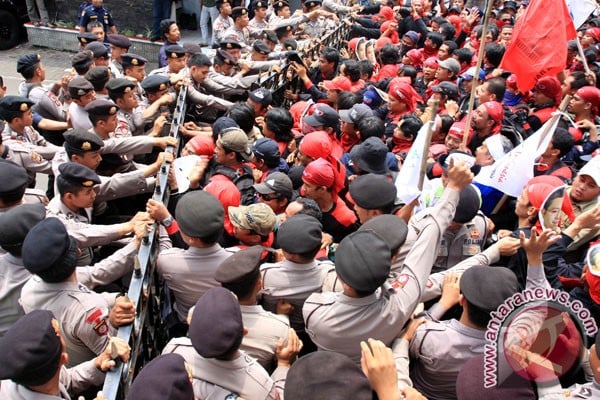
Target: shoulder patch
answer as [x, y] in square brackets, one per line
[98, 323]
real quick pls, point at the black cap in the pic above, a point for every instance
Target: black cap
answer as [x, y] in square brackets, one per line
[510, 4]
[447, 89]
[223, 123]
[373, 192]
[276, 182]
[326, 375]
[469, 203]
[47, 245]
[164, 378]
[119, 86]
[263, 96]
[391, 228]
[300, 234]
[83, 59]
[98, 49]
[18, 221]
[290, 44]
[265, 149]
[101, 108]
[270, 36]
[362, 260]
[240, 266]
[119, 40]
[155, 83]
[87, 37]
[229, 44]
[216, 327]
[81, 141]
[98, 77]
[79, 86]
[261, 47]
[28, 61]
[370, 156]
[237, 12]
[31, 349]
[278, 5]
[488, 287]
[174, 51]
[130, 59]
[13, 179]
[78, 174]
[14, 106]
[323, 115]
[200, 214]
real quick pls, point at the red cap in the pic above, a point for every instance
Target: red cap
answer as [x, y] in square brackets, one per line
[382, 41]
[594, 32]
[431, 62]
[590, 94]
[202, 145]
[387, 13]
[416, 56]
[405, 93]
[550, 87]
[316, 145]
[458, 130]
[353, 43]
[339, 83]
[322, 172]
[540, 187]
[496, 112]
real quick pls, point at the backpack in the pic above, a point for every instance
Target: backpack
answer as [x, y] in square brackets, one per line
[242, 178]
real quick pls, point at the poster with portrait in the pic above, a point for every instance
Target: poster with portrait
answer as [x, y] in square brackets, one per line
[593, 260]
[549, 214]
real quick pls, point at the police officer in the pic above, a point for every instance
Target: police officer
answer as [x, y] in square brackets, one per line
[122, 92]
[13, 187]
[133, 67]
[222, 22]
[240, 274]
[176, 58]
[165, 377]
[259, 22]
[239, 30]
[216, 332]
[372, 195]
[85, 317]
[119, 45]
[99, 77]
[86, 38]
[82, 93]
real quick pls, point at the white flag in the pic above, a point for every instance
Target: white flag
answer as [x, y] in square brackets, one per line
[580, 10]
[511, 173]
[407, 181]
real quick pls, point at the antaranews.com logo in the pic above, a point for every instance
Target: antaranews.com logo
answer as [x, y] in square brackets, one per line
[536, 333]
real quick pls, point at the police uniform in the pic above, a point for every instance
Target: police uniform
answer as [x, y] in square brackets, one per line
[338, 322]
[255, 27]
[123, 42]
[220, 26]
[82, 314]
[215, 322]
[31, 349]
[100, 14]
[13, 180]
[241, 36]
[190, 273]
[171, 52]
[79, 118]
[264, 328]
[129, 123]
[27, 158]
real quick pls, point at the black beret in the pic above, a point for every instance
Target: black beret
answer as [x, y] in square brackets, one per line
[46, 244]
[223, 57]
[362, 260]
[192, 48]
[17, 222]
[282, 30]
[278, 5]
[31, 349]
[98, 49]
[300, 234]
[101, 107]
[87, 37]
[13, 178]
[120, 86]
[130, 59]
[237, 12]
[82, 59]
[13, 106]
[79, 141]
[270, 36]
[229, 43]
[79, 86]
[290, 44]
[373, 192]
[488, 287]
[326, 375]
[164, 378]
[311, 3]
[469, 202]
[98, 77]
[28, 61]
[216, 327]
[155, 83]
[78, 174]
[221, 2]
[240, 265]
[119, 41]
[200, 214]
[259, 4]
[260, 47]
[174, 51]
[391, 228]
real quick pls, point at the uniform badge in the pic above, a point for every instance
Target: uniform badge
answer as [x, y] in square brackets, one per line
[87, 183]
[24, 107]
[36, 157]
[112, 111]
[86, 146]
[98, 323]
[134, 61]
[400, 282]
[173, 55]
[162, 86]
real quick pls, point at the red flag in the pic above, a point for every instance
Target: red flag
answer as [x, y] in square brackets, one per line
[539, 42]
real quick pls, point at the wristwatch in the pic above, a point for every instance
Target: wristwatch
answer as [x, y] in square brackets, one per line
[167, 222]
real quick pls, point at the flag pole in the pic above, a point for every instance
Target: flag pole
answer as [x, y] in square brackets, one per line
[434, 110]
[582, 55]
[486, 18]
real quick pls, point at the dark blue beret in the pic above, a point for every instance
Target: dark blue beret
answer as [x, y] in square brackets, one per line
[237, 12]
[300, 234]
[261, 47]
[27, 61]
[230, 43]
[390, 227]
[79, 86]
[98, 49]
[101, 107]
[120, 86]
[240, 265]
[14, 106]
[18, 221]
[174, 51]
[87, 37]
[164, 378]
[46, 243]
[82, 59]
[130, 59]
[13, 178]
[155, 83]
[31, 349]
[216, 327]
[487, 288]
[79, 141]
[372, 191]
[78, 174]
[199, 214]
[119, 40]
